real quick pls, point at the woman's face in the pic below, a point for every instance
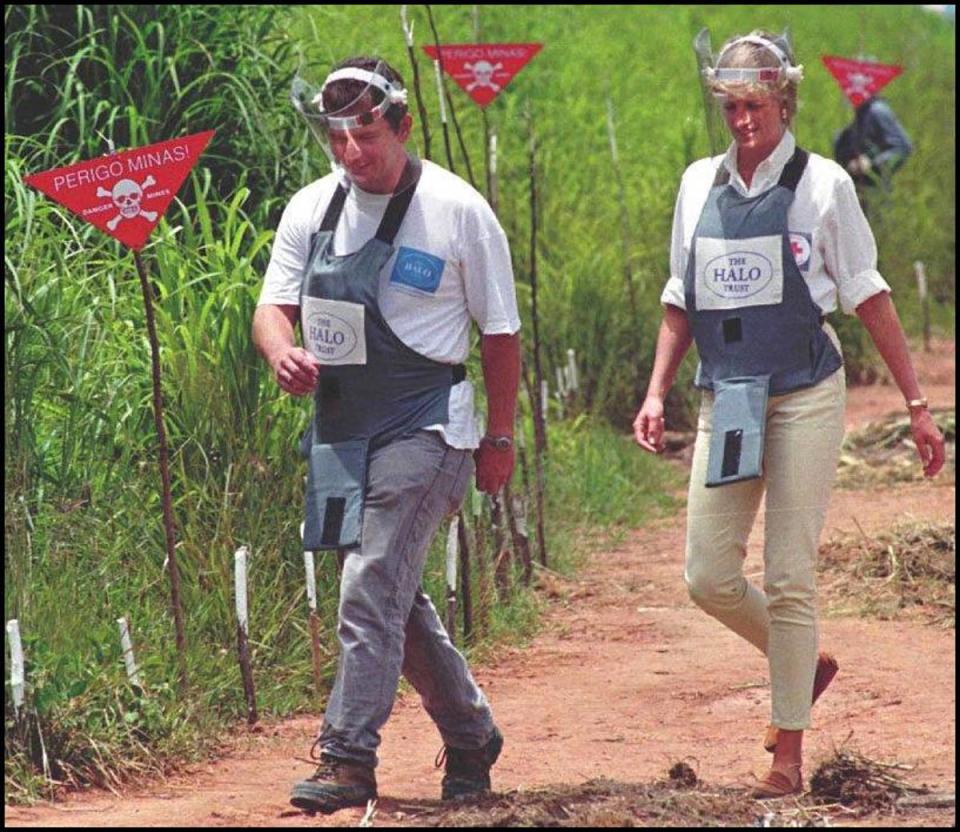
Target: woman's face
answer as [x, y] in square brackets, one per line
[755, 122]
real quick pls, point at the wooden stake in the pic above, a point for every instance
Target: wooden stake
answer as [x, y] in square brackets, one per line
[538, 473]
[421, 108]
[168, 521]
[243, 648]
[446, 94]
[311, 576]
[539, 415]
[465, 593]
[518, 532]
[483, 571]
[443, 115]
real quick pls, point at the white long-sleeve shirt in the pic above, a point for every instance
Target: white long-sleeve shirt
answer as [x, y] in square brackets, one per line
[831, 238]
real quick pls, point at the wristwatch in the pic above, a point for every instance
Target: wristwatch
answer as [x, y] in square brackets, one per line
[501, 443]
[917, 404]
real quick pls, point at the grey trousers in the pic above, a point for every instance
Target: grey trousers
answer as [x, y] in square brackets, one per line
[387, 624]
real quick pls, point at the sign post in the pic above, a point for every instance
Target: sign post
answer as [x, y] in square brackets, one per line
[125, 195]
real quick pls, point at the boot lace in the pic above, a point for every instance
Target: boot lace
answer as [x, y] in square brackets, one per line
[326, 768]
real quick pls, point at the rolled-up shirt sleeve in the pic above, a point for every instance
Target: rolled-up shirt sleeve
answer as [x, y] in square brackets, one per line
[849, 249]
[673, 290]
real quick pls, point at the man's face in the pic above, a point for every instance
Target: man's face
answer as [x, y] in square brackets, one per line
[372, 155]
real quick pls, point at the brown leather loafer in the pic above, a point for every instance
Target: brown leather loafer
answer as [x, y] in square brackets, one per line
[779, 784]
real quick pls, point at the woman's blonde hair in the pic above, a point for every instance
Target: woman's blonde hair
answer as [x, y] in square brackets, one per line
[741, 53]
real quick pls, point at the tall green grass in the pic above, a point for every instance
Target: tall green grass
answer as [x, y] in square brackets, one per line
[84, 543]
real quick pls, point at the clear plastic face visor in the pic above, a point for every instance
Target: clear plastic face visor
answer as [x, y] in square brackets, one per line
[746, 78]
[361, 102]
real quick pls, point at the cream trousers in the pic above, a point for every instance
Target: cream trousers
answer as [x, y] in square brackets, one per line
[804, 431]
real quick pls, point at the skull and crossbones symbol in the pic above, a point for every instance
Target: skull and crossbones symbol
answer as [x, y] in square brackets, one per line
[858, 83]
[126, 196]
[483, 75]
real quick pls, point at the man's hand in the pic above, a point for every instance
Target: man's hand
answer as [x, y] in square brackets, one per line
[494, 467]
[296, 371]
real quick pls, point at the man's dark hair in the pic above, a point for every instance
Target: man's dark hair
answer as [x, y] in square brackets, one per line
[341, 93]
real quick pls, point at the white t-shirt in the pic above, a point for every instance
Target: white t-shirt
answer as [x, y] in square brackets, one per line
[831, 239]
[465, 273]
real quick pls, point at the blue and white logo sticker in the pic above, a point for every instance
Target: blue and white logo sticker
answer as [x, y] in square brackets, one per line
[732, 274]
[333, 331]
[417, 270]
[801, 244]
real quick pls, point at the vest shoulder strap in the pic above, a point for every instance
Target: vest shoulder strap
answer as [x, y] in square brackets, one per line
[794, 169]
[722, 177]
[399, 202]
[332, 215]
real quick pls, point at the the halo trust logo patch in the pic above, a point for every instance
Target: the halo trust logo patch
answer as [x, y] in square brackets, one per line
[417, 269]
[738, 274]
[801, 244]
[330, 337]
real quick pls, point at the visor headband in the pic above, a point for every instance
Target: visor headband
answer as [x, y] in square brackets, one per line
[394, 94]
[755, 74]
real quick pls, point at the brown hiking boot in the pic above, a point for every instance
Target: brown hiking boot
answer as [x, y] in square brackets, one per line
[336, 784]
[467, 771]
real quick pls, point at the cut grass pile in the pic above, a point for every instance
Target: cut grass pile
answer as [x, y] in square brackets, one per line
[884, 453]
[910, 570]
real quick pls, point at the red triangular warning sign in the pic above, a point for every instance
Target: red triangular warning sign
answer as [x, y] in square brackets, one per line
[483, 69]
[124, 194]
[860, 80]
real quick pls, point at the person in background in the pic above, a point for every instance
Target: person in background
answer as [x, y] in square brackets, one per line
[385, 263]
[873, 147]
[767, 240]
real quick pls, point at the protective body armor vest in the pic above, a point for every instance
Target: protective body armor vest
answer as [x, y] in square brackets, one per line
[359, 406]
[757, 329]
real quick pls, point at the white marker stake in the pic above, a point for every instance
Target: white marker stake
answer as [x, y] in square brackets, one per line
[311, 581]
[127, 646]
[16, 665]
[453, 543]
[240, 586]
[544, 398]
[407, 28]
[573, 379]
[243, 648]
[314, 618]
[443, 105]
[924, 302]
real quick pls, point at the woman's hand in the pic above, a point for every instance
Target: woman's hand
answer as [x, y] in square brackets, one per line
[929, 441]
[648, 426]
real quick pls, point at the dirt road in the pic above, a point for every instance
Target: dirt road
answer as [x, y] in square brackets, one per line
[626, 678]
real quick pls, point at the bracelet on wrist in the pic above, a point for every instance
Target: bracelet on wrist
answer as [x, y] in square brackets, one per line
[916, 405]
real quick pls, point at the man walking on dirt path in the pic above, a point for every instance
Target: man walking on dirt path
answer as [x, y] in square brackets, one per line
[385, 262]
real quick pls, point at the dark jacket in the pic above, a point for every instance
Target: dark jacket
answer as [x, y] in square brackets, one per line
[875, 132]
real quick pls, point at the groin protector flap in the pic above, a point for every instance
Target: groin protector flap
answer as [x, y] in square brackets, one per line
[737, 429]
[336, 480]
